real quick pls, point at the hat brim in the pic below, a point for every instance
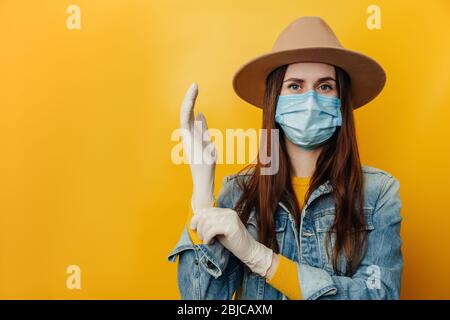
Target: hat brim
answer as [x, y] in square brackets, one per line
[367, 76]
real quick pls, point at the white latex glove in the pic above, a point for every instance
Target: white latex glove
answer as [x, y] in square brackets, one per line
[232, 233]
[200, 151]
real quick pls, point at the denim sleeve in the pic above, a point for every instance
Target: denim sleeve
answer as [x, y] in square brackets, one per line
[207, 271]
[379, 273]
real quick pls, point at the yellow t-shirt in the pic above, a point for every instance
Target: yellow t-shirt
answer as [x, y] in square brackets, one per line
[285, 278]
[300, 185]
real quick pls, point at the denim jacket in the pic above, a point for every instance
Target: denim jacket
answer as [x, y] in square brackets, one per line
[213, 272]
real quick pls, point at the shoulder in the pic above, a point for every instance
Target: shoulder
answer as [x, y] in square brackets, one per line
[369, 170]
[382, 193]
[376, 179]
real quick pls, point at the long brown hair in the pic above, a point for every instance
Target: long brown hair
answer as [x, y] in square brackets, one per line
[338, 162]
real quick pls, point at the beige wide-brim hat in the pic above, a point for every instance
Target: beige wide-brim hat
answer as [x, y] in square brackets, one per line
[310, 39]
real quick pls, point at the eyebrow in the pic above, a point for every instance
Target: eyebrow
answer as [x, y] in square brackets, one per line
[318, 80]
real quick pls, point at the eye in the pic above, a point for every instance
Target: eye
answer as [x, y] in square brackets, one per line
[325, 87]
[293, 85]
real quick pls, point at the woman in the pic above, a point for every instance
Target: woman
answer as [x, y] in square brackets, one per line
[323, 226]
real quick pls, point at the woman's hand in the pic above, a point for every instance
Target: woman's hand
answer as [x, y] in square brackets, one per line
[232, 233]
[199, 149]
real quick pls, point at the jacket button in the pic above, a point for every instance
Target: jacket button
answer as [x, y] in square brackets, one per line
[196, 261]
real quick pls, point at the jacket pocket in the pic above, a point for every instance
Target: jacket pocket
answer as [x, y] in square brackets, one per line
[322, 225]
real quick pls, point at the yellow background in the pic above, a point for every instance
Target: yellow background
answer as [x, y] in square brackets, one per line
[86, 116]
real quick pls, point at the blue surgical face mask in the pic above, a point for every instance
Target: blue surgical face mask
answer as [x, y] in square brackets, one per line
[308, 119]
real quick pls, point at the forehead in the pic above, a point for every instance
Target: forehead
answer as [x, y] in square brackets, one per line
[309, 70]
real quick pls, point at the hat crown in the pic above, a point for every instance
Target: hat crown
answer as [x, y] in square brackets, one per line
[306, 32]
